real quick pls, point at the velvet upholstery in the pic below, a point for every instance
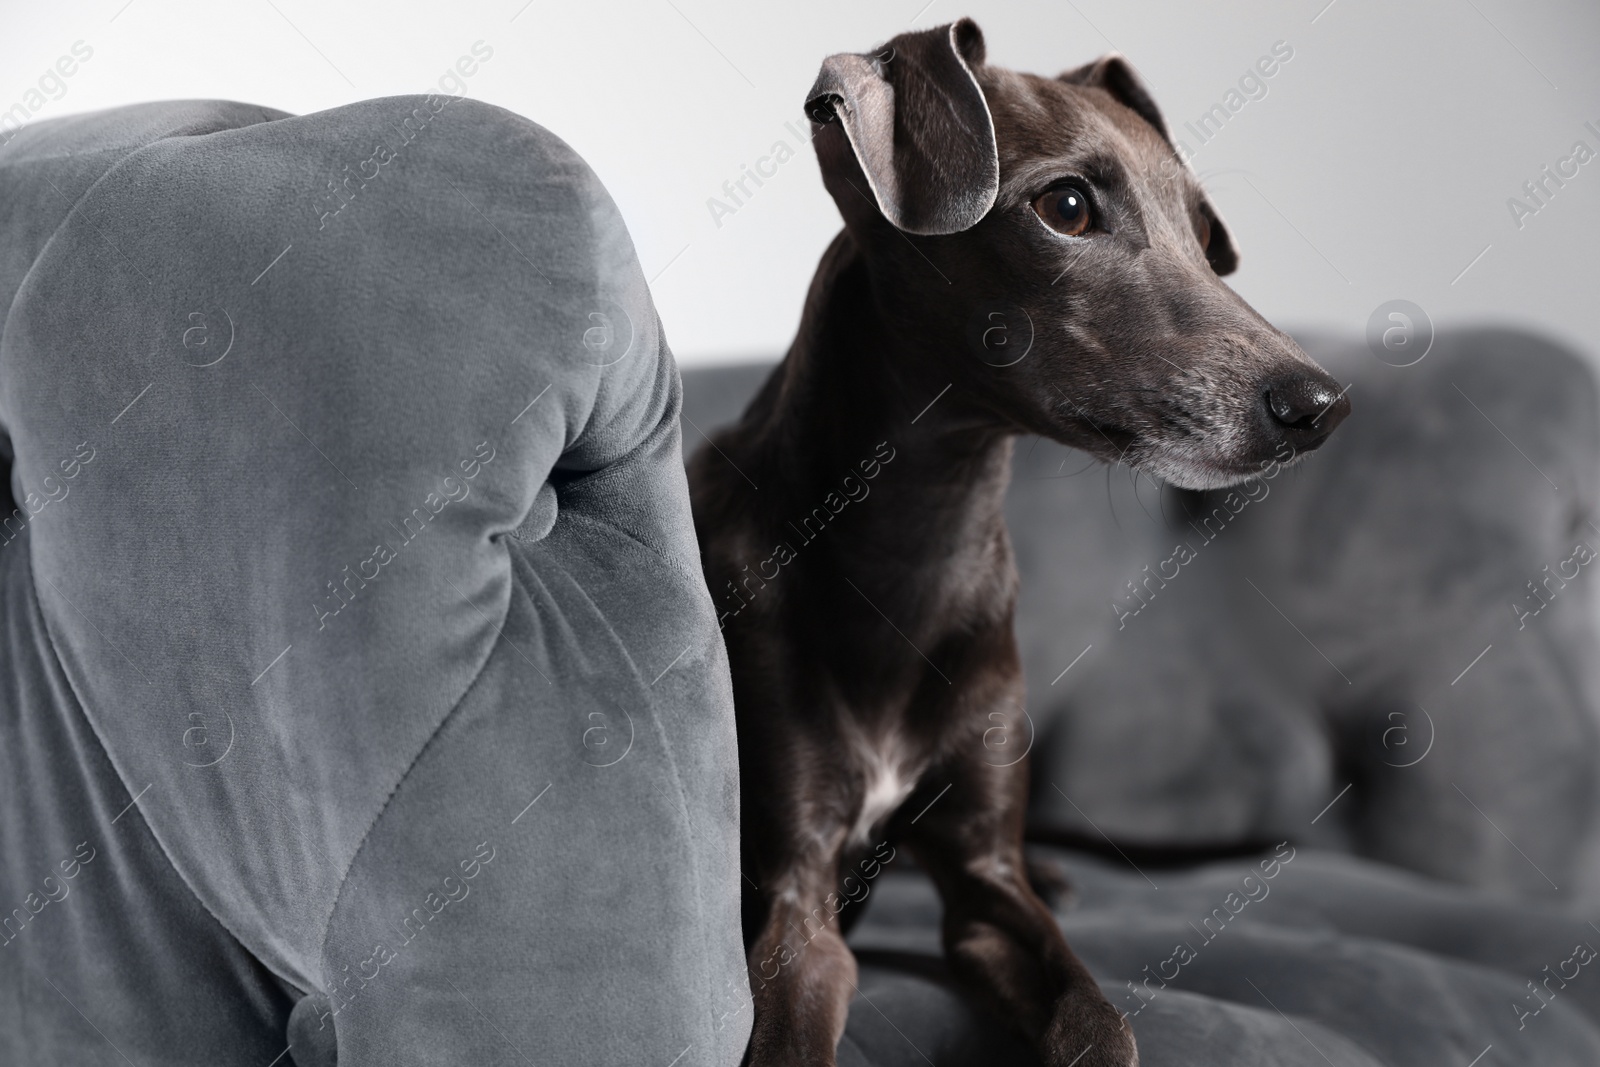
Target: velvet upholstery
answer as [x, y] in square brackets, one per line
[352, 605]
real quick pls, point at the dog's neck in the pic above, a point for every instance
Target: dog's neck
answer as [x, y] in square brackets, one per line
[851, 388]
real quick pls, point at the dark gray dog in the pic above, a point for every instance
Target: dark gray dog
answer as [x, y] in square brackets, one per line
[1020, 254]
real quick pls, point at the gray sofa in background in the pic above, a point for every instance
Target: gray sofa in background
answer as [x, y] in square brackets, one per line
[1370, 622]
[1334, 662]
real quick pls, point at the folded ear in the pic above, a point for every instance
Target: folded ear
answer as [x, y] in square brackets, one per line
[1116, 76]
[916, 124]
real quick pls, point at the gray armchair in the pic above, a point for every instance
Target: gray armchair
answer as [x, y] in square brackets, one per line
[362, 697]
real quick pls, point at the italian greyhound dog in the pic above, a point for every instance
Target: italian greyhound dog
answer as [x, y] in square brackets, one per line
[1020, 254]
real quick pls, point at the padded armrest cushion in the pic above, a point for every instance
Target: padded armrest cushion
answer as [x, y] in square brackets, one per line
[321, 424]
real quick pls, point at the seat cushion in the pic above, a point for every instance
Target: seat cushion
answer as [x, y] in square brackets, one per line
[1291, 957]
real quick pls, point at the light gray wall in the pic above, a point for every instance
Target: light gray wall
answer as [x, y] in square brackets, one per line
[1378, 164]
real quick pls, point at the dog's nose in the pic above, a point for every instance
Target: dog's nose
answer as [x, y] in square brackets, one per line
[1307, 407]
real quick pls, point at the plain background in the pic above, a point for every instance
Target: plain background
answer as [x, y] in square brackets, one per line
[1377, 166]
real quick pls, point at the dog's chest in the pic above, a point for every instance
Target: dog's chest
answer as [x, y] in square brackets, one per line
[889, 773]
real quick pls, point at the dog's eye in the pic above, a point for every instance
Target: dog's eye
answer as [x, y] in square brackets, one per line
[1064, 209]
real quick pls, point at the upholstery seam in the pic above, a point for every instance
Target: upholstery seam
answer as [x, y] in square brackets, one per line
[122, 777]
[715, 635]
[707, 962]
[422, 750]
[51, 240]
[683, 569]
[681, 808]
[33, 575]
[43, 248]
[129, 153]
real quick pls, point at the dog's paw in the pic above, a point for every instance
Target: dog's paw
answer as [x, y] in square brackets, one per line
[1088, 1032]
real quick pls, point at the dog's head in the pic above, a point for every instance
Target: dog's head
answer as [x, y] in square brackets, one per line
[1047, 230]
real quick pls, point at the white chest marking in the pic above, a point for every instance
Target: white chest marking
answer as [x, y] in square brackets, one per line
[888, 785]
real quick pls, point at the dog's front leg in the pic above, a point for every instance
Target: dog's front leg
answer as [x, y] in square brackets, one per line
[999, 937]
[802, 974]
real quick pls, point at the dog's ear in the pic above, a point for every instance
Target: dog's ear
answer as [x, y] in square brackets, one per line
[915, 123]
[1113, 73]
[1116, 76]
[1221, 252]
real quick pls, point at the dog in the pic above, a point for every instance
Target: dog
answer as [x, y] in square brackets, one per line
[1020, 254]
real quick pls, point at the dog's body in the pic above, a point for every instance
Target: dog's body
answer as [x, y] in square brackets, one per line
[851, 523]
